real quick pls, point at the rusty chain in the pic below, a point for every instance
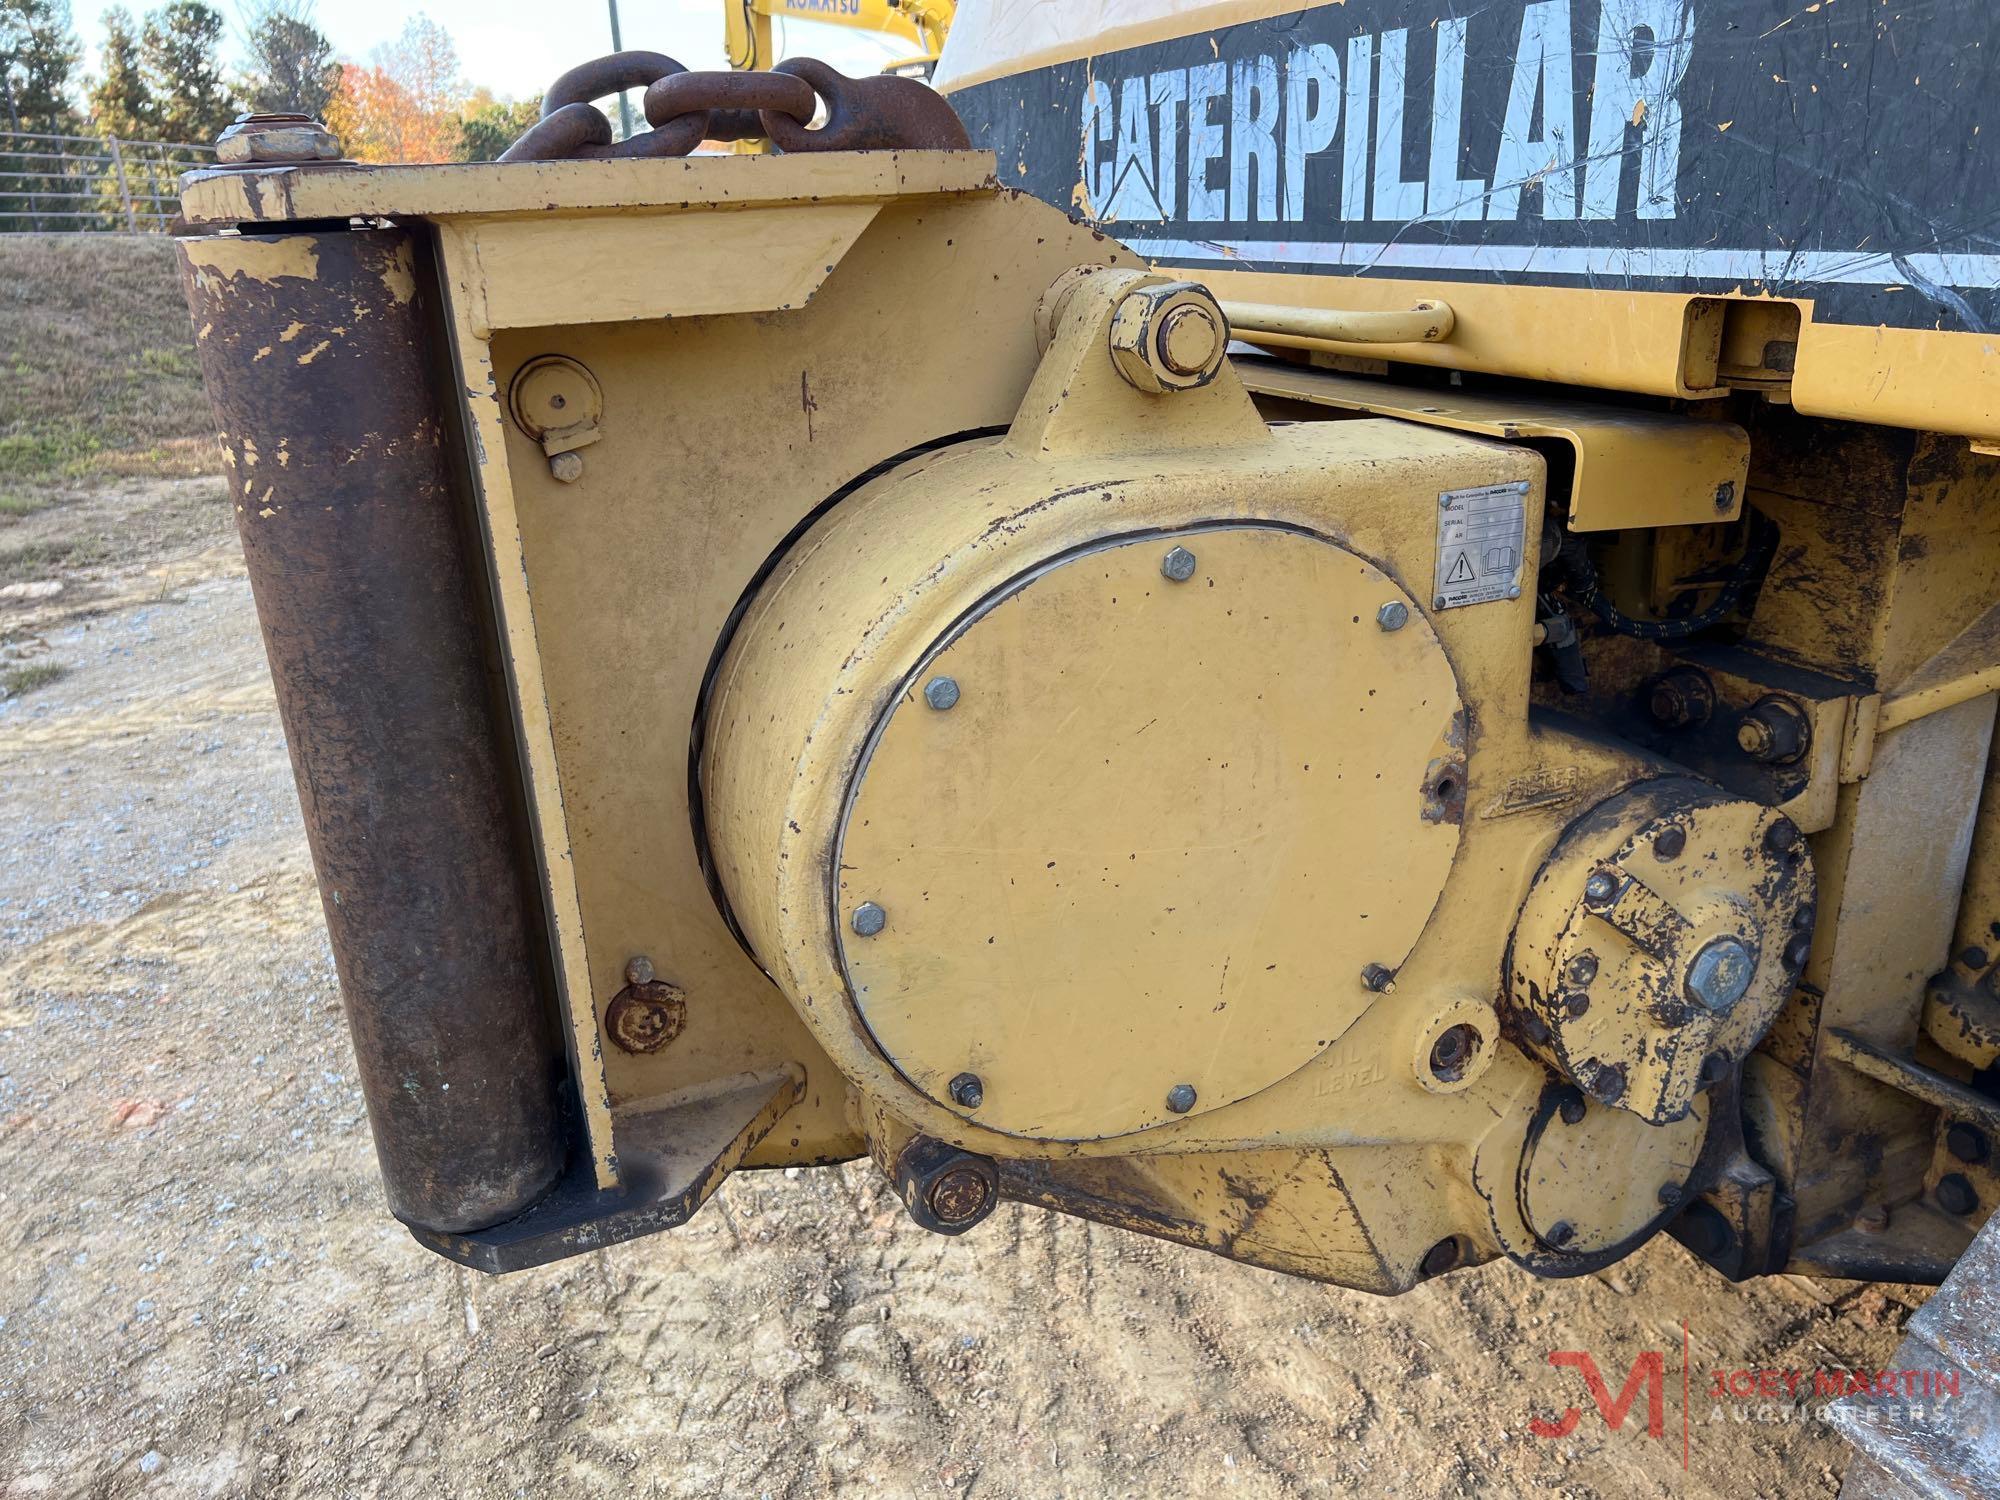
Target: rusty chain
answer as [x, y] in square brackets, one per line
[685, 108]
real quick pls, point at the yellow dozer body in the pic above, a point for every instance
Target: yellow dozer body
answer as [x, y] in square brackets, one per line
[1360, 639]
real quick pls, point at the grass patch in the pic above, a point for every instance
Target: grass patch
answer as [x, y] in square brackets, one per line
[34, 561]
[44, 451]
[15, 681]
[13, 507]
[101, 376]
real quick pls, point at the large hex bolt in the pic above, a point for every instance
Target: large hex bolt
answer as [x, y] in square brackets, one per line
[1681, 698]
[1720, 975]
[945, 1189]
[1170, 336]
[1774, 731]
[276, 140]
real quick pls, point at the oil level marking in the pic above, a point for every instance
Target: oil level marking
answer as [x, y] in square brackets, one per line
[1479, 542]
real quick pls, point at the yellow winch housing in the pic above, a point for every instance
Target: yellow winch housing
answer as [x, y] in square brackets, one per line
[945, 704]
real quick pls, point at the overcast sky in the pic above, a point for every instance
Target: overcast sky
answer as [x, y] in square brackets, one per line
[516, 47]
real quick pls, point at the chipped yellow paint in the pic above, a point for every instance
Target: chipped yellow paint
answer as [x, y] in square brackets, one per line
[291, 331]
[316, 351]
[400, 275]
[228, 199]
[292, 256]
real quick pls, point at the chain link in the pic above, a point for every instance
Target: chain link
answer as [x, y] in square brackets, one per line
[883, 113]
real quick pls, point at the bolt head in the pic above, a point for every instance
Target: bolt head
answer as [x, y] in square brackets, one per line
[1572, 1109]
[1670, 1193]
[1168, 336]
[967, 1092]
[1967, 1142]
[1668, 705]
[1600, 888]
[1720, 974]
[1189, 339]
[1180, 1098]
[566, 468]
[638, 969]
[1560, 1234]
[1798, 950]
[275, 140]
[1680, 698]
[1774, 731]
[1575, 1004]
[1669, 843]
[1378, 977]
[1393, 616]
[961, 1196]
[946, 1190]
[1955, 1194]
[645, 1016]
[1178, 565]
[1873, 1218]
[941, 693]
[868, 919]
[1582, 968]
[1607, 1081]
[1452, 1054]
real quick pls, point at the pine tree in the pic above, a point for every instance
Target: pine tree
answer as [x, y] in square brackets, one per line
[119, 102]
[38, 52]
[182, 59]
[292, 68]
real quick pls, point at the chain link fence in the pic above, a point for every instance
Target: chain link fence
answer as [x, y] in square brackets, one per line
[74, 184]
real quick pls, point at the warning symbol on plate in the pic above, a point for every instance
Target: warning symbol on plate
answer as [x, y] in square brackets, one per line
[1480, 536]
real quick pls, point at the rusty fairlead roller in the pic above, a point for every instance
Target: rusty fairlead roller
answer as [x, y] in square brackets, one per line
[819, 653]
[357, 528]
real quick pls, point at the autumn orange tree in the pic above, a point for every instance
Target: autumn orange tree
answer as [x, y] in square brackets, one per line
[405, 104]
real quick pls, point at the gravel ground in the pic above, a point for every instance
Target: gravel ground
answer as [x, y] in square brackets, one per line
[201, 1293]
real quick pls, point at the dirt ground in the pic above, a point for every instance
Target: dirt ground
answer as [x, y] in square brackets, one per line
[201, 1292]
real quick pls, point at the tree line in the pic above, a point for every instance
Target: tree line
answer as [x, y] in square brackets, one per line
[162, 77]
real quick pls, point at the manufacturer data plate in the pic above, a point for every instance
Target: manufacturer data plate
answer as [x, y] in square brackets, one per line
[1480, 534]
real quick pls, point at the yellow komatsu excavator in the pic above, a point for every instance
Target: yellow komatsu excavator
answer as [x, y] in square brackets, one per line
[1361, 635]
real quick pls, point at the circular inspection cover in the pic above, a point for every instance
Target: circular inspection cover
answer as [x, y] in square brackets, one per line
[1596, 1182]
[1149, 835]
